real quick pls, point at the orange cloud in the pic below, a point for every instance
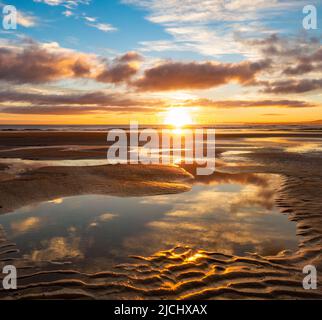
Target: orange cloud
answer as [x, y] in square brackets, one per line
[250, 104]
[14, 102]
[37, 64]
[49, 62]
[122, 69]
[193, 75]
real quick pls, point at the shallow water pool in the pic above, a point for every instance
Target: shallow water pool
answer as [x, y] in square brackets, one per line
[232, 214]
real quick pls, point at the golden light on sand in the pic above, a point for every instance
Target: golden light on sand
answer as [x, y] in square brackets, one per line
[178, 117]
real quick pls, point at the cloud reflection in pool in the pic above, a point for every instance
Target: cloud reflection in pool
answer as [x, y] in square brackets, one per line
[227, 213]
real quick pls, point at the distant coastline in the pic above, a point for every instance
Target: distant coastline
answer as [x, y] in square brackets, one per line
[305, 126]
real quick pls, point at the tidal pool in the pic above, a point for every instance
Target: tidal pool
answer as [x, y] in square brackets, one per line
[232, 213]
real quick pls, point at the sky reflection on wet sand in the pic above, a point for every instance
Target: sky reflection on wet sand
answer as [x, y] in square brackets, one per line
[228, 213]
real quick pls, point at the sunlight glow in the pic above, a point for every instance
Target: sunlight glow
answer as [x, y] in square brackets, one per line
[178, 117]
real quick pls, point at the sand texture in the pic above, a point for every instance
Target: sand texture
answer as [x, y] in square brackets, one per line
[181, 272]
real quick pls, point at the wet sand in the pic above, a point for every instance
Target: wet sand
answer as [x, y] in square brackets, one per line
[47, 145]
[49, 183]
[179, 273]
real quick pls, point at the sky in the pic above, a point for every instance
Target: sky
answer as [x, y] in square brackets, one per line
[116, 61]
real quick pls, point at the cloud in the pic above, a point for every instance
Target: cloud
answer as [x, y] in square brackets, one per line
[292, 59]
[117, 73]
[105, 27]
[293, 86]
[250, 103]
[93, 22]
[66, 3]
[52, 2]
[121, 69]
[90, 19]
[300, 69]
[49, 62]
[159, 46]
[295, 56]
[26, 20]
[178, 75]
[73, 110]
[68, 13]
[306, 63]
[98, 98]
[174, 11]
[191, 23]
[45, 63]
[71, 5]
[15, 102]
[131, 56]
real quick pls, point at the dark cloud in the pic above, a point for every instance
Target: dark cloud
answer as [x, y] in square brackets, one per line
[293, 86]
[31, 62]
[35, 64]
[81, 103]
[292, 58]
[306, 64]
[122, 69]
[88, 98]
[290, 47]
[299, 69]
[117, 73]
[131, 56]
[69, 110]
[177, 75]
[250, 104]
[51, 110]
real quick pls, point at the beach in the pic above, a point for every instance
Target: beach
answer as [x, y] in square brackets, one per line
[168, 255]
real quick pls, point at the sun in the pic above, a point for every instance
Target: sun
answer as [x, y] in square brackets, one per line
[178, 117]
